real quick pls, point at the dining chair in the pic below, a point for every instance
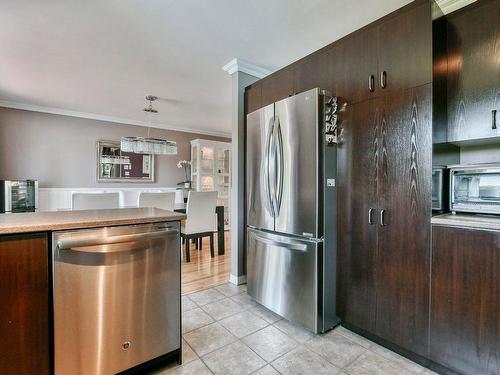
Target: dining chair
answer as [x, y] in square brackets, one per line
[94, 201]
[163, 200]
[200, 219]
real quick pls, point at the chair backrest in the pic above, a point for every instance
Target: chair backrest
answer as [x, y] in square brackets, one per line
[163, 200]
[94, 201]
[200, 212]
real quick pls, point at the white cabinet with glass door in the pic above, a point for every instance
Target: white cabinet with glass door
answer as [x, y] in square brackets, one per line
[211, 170]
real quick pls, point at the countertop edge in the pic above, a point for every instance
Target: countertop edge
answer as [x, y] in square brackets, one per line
[466, 222]
[82, 225]
[69, 220]
[473, 227]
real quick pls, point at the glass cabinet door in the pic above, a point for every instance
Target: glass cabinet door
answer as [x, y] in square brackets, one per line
[223, 180]
[207, 183]
[223, 161]
[207, 162]
[194, 159]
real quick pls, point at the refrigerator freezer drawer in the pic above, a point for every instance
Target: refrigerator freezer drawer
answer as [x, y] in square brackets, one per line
[282, 275]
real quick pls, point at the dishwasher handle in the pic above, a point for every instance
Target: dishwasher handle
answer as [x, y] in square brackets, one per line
[86, 242]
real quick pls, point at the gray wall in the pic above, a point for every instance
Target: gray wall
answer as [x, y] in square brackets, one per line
[60, 151]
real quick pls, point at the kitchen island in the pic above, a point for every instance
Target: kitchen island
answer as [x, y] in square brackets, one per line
[119, 250]
[63, 220]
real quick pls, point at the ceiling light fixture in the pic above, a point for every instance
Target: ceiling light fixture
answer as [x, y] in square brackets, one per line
[147, 145]
[151, 99]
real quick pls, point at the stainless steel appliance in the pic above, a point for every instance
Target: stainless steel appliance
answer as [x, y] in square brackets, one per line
[475, 188]
[291, 208]
[116, 297]
[440, 188]
[18, 196]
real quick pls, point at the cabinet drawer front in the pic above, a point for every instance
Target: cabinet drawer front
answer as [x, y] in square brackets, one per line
[282, 276]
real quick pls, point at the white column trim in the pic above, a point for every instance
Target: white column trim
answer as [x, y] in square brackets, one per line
[448, 6]
[239, 65]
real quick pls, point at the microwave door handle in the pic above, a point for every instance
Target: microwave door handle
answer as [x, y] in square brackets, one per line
[8, 196]
[36, 194]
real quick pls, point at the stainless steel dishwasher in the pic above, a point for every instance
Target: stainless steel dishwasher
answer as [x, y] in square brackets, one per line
[116, 297]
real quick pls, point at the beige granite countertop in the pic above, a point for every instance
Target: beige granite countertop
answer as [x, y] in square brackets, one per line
[61, 220]
[471, 221]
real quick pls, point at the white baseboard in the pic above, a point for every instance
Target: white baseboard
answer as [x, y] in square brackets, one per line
[237, 280]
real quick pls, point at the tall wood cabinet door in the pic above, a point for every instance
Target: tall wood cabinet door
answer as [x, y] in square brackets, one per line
[354, 61]
[405, 49]
[465, 313]
[24, 307]
[357, 191]
[403, 257]
[277, 86]
[474, 71]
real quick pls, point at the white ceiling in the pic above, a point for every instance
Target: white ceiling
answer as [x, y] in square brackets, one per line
[103, 57]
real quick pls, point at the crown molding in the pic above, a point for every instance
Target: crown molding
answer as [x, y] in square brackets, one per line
[98, 117]
[239, 65]
[448, 6]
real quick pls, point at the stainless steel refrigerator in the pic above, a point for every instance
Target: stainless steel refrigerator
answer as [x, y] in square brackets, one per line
[291, 208]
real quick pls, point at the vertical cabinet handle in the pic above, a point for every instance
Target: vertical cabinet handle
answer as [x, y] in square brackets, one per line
[383, 79]
[370, 216]
[494, 119]
[371, 83]
[382, 218]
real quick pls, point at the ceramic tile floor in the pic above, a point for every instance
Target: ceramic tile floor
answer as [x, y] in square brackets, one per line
[225, 332]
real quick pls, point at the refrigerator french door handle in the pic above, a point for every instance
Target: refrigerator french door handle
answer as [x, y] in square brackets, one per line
[273, 160]
[269, 147]
[281, 167]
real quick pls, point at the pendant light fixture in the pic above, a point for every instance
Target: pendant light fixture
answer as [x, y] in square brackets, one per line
[147, 145]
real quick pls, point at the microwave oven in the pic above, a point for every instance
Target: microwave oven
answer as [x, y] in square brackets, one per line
[475, 188]
[18, 196]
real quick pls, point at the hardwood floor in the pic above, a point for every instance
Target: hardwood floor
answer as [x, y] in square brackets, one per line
[203, 271]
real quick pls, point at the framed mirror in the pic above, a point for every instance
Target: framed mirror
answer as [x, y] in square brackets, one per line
[115, 165]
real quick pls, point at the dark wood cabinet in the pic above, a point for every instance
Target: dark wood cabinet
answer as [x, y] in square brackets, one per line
[278, 85]
[384, 246]
[314, 71]
[392, 54]
[24, 311]
[404, 212]
[357, 156]
[473, 40]
[355, 64]
[253, 97]
[405, 49]
[465, 300]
